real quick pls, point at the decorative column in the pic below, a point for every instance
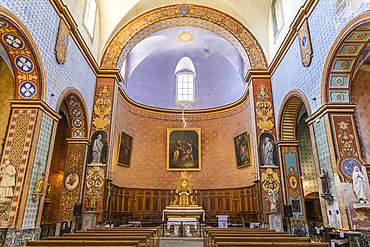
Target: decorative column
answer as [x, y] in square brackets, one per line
[338, 151]
[266, 135]
[98, 156]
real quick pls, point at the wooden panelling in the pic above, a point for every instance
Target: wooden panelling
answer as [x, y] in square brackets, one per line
[147, 205]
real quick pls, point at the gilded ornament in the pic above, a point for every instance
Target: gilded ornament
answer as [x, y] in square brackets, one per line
[264, 109]
[339, 81]
[347, 141]
[94, 181]
[185, 37]
[350, 49]
[360, 216]
[343, 65]
[293, 183]
[102, 107]
[360, 36]
[270, 181]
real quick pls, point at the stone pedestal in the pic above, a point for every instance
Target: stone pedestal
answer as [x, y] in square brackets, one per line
[276, 221]
[89, 220]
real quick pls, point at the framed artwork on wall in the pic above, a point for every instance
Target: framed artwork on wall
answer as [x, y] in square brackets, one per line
[124, 150]
[183, 149]
[242, 150]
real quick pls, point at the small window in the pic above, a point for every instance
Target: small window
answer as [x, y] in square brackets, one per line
[89, 18]
[185, 88]
[277, 16]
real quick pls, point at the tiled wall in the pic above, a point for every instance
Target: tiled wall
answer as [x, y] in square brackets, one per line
[308, 171]
[42, 22]
[361, 95]
[148, 160]
[325, 23]
[42, 151]
[51, 210]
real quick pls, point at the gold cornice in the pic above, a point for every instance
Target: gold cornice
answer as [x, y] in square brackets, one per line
[78, 141]
[110, 73]
[35, 104]
[330, 108]
[239, 102]
[287, 143]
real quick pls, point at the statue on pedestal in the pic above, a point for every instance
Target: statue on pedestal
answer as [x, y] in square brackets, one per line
[272, 194]
[7, 184]
[359, 185]
[184, 193]
[324, 180]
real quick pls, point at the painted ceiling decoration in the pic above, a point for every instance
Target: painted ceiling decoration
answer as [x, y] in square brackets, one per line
[174, 15]
[343, 64]
[185, 37]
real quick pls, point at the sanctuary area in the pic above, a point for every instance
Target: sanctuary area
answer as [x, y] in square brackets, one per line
[129, 122]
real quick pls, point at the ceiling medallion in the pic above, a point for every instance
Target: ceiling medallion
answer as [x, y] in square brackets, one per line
[343, 65]
[351, 49]
[339, 81]
[185, 37]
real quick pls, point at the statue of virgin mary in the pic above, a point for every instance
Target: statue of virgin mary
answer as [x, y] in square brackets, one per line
[359, 185]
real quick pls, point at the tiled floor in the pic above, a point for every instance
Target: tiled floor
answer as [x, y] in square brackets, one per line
[181, 242]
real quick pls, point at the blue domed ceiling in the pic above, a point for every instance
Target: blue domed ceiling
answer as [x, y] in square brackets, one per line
[150, 69]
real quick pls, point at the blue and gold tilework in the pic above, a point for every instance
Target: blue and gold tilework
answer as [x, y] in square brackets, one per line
[77, 116]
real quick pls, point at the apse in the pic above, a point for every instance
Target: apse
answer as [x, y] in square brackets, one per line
[151, 68]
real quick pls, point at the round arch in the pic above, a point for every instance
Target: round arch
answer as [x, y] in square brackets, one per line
[77, 114]
[24, 57]
[340, 64]
[182, 15]
[288, 114]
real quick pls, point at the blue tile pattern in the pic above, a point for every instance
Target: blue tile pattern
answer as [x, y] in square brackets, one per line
[42, 151]
[325, 25]
[42, 22]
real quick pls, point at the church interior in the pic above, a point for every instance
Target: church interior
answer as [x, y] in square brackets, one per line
[184, 117]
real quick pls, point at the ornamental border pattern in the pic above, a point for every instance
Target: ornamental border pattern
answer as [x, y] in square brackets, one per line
[25, 66]
[17, 149]
[245, 37]
[216, 114]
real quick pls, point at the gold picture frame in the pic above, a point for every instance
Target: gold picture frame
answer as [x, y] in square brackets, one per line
[183, 149]
[242, 150]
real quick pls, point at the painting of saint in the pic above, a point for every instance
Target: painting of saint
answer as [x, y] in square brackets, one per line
[124, 150]
[267, 149]
[183, 149]
[242, 150]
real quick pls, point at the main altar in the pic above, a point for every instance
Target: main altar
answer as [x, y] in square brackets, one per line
[183, 210]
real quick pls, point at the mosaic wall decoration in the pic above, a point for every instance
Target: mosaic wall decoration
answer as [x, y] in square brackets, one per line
[39, 166]
[25, 66]
[62, 42]
[16, 150]
[72, 180]
[305, 44]
[250, 44]
[77, 116]
[347, 146]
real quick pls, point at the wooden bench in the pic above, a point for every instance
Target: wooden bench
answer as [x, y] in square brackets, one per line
[289, 239]
[143, 240]
[82, 243]
[262, 244]
[151, 238]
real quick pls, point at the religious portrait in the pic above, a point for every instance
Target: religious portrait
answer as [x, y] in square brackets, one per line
[98, 148]
[242, 150]
[124, 150]
[72, 181]
[183, 149]
[296, 206]
[267, 149]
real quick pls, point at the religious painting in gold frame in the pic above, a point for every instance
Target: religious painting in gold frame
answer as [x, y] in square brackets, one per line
[183, 149]
[242, 150]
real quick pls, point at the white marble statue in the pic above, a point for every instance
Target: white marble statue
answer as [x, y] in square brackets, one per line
[97, 149]
[359, 185]
[8, 180]
[268, 152]
[272, 195]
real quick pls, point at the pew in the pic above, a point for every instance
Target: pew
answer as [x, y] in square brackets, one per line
[264, 244]
[82, 243]
[143, 240]
[288, 239]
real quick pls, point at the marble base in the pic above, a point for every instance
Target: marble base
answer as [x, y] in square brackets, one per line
[89, 220]
[276, 221]
[15, 237]
[361, 206]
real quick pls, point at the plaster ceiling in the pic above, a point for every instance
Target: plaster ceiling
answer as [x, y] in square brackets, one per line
[151, 66]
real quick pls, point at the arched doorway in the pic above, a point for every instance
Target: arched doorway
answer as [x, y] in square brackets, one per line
[300, 173]
[66, 173]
